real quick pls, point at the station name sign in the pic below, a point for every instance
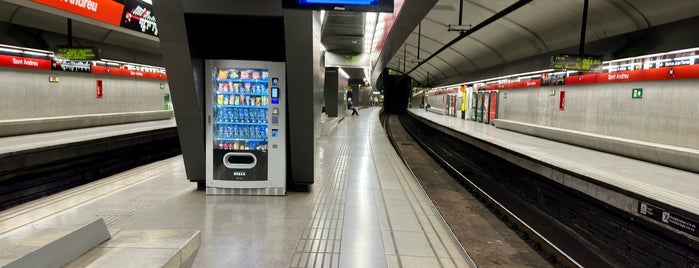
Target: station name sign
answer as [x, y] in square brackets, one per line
[576, 62]
[136, 15]
[77, 53]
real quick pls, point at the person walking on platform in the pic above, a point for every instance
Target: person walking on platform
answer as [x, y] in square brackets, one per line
[350, 106]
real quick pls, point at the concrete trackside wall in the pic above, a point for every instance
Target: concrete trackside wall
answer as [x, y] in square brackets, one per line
[28, 94]
[667, 113]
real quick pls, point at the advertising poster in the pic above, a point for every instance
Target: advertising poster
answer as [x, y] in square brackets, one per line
[486, 107]
[493, 106]
[479, 110]
[474, 105]
[138, 16]
[71, 66]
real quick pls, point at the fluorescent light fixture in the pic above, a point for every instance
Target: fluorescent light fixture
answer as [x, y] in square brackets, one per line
[29, 51]
[116, 62]
[343, 73]
[35, 53]
[644, 60]
[687, 57]
[10, 50]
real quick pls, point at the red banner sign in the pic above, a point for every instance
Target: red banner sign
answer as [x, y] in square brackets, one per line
[23, 62]
[108, 11]
[129, 73]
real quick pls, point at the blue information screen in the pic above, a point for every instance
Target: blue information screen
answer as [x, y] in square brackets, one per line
[340, 2]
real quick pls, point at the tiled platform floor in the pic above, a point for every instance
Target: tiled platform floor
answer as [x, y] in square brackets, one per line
[364, 210]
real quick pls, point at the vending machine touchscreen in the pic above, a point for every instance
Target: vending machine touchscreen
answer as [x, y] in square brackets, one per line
[245, 128]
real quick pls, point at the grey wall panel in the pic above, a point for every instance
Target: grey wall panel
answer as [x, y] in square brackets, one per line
[331, 92]
[342, 84]
[247, 8]
[318, 78]
[186, 94]
[667, 114]
[304, 90]
[28, 94]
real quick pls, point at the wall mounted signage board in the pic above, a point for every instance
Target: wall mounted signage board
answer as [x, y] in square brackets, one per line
[77, 53]
[136, 15]
[575, 62]
[341, 5]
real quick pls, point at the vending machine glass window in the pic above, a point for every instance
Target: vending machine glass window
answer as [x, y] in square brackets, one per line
[244, 147]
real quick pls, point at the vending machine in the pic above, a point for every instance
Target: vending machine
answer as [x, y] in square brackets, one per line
[245, 127]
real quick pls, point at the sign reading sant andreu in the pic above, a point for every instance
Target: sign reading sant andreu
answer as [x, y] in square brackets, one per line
[136, 15]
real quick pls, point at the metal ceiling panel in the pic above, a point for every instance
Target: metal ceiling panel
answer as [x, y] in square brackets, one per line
[537, 28]
[343, 32]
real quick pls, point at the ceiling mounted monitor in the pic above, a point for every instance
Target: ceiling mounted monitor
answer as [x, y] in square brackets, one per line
[341, 5]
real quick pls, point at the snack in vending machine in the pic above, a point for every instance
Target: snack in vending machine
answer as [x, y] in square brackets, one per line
[236, 100]
[236, 145]
[264, 100]
[236, 87]
[225, 100]
[256, 75]
[222, 74]
[229, 115]
[219, 99]
[247, 100]
[247, 87]
[233, 74]
[257, 101]
[265, 75]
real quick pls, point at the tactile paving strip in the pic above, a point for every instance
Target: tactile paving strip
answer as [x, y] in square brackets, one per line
[319, 245]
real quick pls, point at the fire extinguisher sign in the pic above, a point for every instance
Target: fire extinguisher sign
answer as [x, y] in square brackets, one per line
[98, 89]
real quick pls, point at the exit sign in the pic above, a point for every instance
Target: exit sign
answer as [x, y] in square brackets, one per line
[637, 93]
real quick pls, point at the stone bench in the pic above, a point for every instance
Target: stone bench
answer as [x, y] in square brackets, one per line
[52, 247]
[92, 245]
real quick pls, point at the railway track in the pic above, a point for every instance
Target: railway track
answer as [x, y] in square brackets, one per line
[503, 188]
